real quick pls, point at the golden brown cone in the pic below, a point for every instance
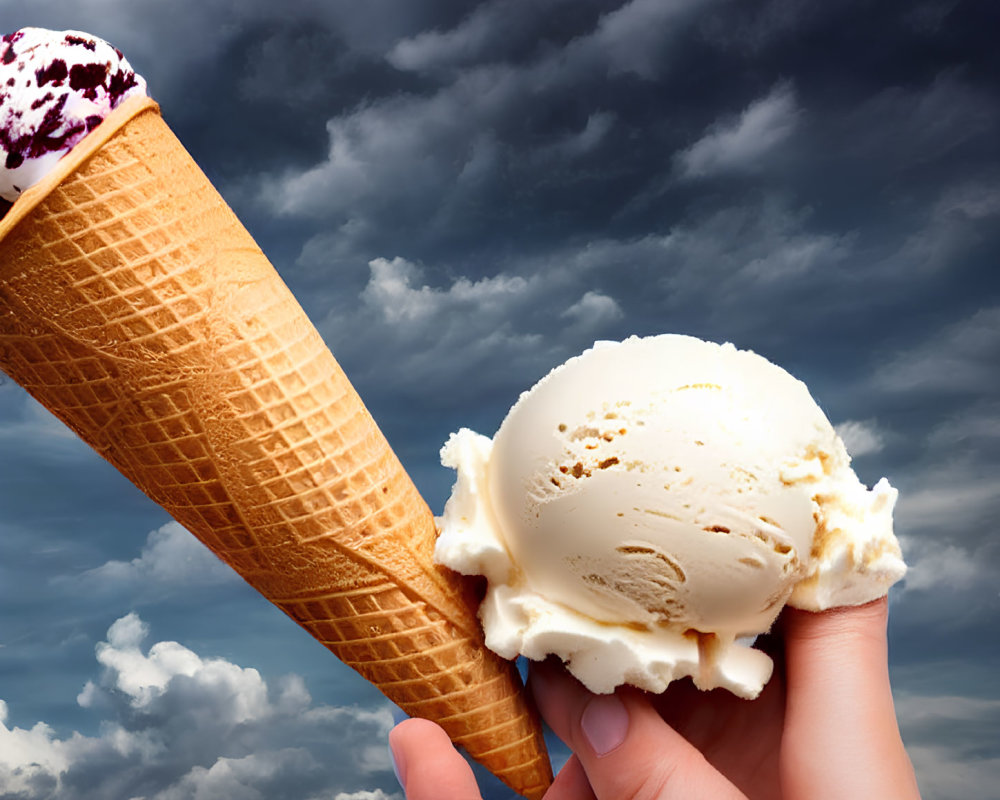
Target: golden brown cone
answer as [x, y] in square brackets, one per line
[137, 308]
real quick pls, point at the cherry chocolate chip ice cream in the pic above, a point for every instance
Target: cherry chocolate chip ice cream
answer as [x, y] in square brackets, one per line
[55, 87]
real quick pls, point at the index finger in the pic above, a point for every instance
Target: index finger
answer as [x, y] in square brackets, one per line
[625, 747]
[428, 765]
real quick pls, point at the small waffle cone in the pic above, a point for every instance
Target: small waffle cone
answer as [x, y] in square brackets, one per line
[136, 308]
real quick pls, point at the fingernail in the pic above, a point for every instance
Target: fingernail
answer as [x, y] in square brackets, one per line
[398, 766]
[604, 723]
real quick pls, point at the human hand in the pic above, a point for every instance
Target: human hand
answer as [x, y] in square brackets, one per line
[823, 728]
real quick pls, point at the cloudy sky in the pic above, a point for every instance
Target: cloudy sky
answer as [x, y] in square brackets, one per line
[462, 195]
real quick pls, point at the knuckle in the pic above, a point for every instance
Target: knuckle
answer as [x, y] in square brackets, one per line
[658, 784]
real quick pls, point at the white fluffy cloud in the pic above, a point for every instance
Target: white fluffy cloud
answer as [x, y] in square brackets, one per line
[145, 677]
[392, 293]
[496, 327]
[861, 437]
[948, 499]
[945, 567]
[742, 144]
[594, 309]
[171, 557]
[30, 757]
[952, 498]
[177, 725]
[534, 312]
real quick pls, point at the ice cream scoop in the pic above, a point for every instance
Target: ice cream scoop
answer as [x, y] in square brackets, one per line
[651, 505]
[55, 87]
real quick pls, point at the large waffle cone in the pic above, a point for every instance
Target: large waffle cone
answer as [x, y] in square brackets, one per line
[136, 307]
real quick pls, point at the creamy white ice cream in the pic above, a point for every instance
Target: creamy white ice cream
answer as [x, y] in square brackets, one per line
[650, 504]
[55, 87]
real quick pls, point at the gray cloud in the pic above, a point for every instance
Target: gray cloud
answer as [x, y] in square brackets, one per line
[171, 559]
[400, 149]
[976, 427]
[427, 164]
[539, 310]
[437, 332]
[947, 737]
[757, 244]
[861, 437]
[491, 31]
[593, 311]
[743, 144]
[959, 359]
[632, 37]
[945, 567]
[175, 724]
[29, 424]
[913, 125]
[954, 498]
[950, 230]
[948, 494]
[768, 24]
[462, 196]
[197, 38]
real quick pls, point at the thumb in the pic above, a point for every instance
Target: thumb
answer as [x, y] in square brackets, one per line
[625, 747]
[840, 725]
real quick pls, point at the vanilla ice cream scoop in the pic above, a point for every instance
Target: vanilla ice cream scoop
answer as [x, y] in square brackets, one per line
[651, 505]
[55, 87]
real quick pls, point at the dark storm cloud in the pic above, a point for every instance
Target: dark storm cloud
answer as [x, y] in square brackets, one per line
[463, 195]
[492, 145]
[510, 158]
[938, 399]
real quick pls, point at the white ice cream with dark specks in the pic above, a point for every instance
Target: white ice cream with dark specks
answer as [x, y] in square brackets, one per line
[55, 87]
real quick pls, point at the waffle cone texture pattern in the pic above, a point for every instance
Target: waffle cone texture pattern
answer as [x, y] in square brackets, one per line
[136, 307]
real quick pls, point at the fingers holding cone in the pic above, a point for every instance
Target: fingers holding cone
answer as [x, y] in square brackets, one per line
[622, 743]
[427, 764]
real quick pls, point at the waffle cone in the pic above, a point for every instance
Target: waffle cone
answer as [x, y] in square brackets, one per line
[137, 308]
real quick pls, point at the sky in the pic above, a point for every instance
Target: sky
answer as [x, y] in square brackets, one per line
[464, 194]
